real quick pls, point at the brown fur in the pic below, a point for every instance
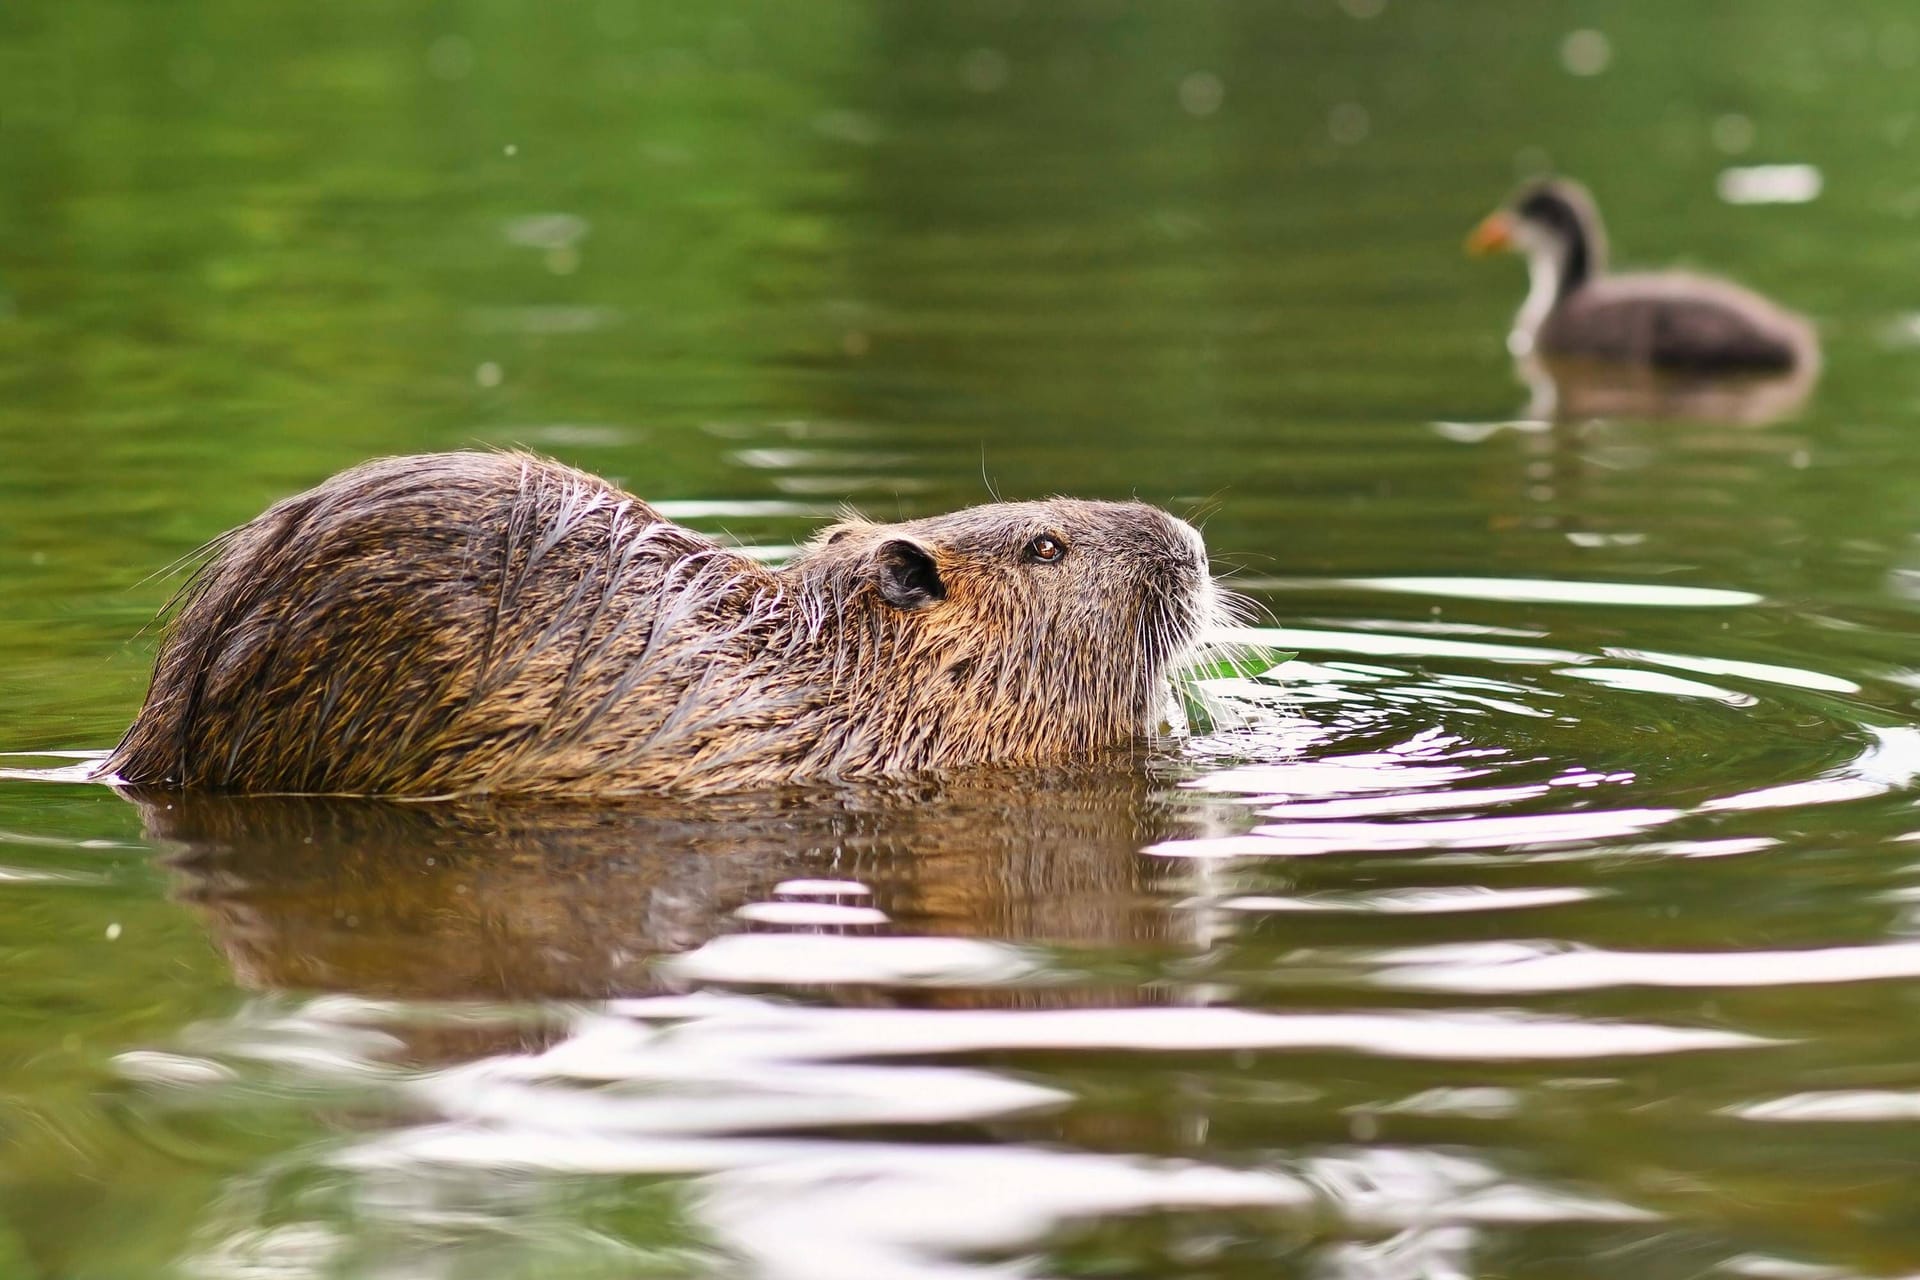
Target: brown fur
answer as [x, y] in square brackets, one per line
[496, 623]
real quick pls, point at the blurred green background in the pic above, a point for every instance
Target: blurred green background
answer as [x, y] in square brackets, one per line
[759, 260]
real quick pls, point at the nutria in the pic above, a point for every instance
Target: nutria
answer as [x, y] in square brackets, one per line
[1664, 319]
[469, 623]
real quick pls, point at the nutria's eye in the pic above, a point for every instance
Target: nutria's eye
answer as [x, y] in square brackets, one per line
[1045, 550]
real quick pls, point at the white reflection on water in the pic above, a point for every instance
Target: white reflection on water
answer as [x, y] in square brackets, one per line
[882, 484]
[1843, 1106]
[738, 1094]
[1555, 591]
[291, 1252]
[1516, 967]
[767, 459]
[740, 509]
[1345, 777]
[771, 552]
[1385, 1185]
[1764, 672]
[1388, 645]
[1481, 432]
[916, 1213]
[1630, 681]
[809, 914]
[1308, 839]
[1482, 1103]
[1890, 763]
[331, 1040]
[816, 888]
[1762, 1267]
[661, 1080]
[79, 768]
[1429, 1253]
[739, 1027]
[1528, 829]
[152, 1067]
[828, 959]
[37, 876]
[1770, 184]
[796, 1219]
[809, 1208]
[1437, 900]
[1411, 802]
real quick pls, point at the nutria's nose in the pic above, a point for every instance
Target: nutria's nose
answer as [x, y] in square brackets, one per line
[1186, 548]
[1196, 544]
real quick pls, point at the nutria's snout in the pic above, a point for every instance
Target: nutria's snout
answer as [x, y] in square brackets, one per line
[1101, 592]
[462, 623]
[1187, 600]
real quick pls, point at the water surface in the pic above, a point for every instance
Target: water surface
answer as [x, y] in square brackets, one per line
[1551, 914]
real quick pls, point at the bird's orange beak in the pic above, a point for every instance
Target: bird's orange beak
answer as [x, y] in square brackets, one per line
[1495, 232]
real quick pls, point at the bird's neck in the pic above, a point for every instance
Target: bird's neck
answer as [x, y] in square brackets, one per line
[1557, 267]
[1554, 272]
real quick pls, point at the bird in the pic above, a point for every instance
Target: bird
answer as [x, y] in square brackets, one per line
[1670, 320]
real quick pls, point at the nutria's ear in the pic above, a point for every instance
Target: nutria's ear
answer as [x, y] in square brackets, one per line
[906, 574]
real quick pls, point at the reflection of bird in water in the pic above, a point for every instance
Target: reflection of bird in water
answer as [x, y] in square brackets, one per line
[1672, 489]
[1667, 320]
[1574, 389]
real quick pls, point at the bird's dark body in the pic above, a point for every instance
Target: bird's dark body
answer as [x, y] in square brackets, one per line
[1672, 321]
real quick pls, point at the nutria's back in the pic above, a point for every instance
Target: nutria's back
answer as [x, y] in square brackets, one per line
[479, 622]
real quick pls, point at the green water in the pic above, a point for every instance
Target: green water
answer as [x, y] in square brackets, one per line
[1556, 918]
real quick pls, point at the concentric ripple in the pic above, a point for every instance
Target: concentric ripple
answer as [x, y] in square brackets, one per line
[1444, 734]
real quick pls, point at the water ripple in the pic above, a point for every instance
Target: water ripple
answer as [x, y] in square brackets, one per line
[1307, 839]
[1442, 900]
[1533, 591]
[759, 1030]
[829, 959]
[1519, 967]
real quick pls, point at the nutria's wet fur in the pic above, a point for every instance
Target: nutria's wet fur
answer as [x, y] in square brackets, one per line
[496, 623]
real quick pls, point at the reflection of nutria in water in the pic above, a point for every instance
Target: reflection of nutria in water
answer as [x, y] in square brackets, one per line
[503, 902]
[500, 903]
[454, 901]
[470, 622]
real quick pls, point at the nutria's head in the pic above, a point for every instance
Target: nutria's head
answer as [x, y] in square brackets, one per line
[1017, 629]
